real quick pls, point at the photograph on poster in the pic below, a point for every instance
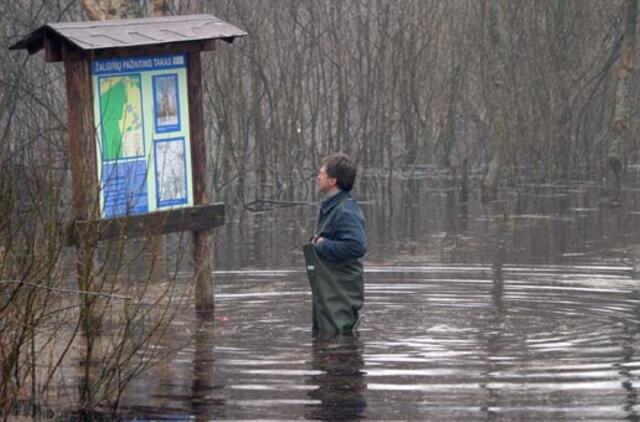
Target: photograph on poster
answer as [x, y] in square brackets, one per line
[121, 117]
[166, 103]
[171, 172]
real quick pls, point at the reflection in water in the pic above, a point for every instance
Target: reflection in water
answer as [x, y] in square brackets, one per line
[523, 309]
[340, 383]
[204, 383]
[625, 367]
[497, 320]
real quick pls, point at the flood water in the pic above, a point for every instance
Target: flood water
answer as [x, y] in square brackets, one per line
[524, 308]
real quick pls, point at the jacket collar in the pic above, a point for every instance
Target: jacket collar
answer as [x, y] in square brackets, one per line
[328, 204]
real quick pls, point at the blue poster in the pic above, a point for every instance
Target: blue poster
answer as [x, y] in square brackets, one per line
[125, 188]
[137, 64]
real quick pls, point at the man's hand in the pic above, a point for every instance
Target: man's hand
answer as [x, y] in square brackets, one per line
[317, 239]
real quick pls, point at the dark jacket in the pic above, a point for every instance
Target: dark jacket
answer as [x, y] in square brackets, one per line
[344, 233]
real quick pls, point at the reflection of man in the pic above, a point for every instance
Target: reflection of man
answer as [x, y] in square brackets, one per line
[333, 266]
[340, 385]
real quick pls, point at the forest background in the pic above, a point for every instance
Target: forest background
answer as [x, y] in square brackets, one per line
[489, 93]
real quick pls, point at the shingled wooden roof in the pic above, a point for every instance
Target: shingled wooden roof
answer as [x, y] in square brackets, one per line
[95, 35]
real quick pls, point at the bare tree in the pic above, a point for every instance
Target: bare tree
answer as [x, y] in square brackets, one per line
[496, 96]
[623, 104]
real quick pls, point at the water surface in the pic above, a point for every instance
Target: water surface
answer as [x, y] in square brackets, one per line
[524, 308]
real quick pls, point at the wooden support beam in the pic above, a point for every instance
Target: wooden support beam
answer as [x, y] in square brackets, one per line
[82, 141]
[201, 238]
[52, 48]
[82, 158]
[196, 122]
[198, 218]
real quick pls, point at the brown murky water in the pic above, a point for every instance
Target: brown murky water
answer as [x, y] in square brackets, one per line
[527, 308]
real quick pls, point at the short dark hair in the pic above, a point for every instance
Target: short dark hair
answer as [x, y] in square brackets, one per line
[340, 167]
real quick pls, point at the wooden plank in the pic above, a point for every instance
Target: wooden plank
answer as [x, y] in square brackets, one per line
[52, 48]
[196, 125]
[154, 50]
[199, 218]
[209, 45]
[82, 141]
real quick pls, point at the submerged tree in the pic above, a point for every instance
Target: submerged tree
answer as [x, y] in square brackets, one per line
[496, 97]
[623, 109]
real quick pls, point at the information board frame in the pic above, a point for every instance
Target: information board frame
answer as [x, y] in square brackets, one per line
[121, 120]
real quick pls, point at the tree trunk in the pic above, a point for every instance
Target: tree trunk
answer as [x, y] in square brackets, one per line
[93, 11]
[447, 139]
[496, 101]
[623, 106]
[99, 10]
[160, 7]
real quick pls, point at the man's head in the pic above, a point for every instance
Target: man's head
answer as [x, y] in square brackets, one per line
[336, 173]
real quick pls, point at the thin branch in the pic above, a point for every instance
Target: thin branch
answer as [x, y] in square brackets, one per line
[74, 291]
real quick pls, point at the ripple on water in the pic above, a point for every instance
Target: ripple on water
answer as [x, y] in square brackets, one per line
[438, 342]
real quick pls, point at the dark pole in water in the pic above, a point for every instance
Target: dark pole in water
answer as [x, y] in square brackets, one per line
[201, 250]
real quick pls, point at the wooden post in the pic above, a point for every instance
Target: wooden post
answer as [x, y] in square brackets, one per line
[82, 154]
[82, 144]
[201, 249]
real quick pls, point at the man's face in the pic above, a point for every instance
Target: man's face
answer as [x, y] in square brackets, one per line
[325, 183]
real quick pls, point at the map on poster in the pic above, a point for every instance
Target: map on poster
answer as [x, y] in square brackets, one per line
[142, 134]
[121, 111]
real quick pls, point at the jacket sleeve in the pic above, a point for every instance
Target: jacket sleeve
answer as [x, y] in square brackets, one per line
[350, 239]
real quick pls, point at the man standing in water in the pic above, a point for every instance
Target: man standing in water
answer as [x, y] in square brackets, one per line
[333, 265]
